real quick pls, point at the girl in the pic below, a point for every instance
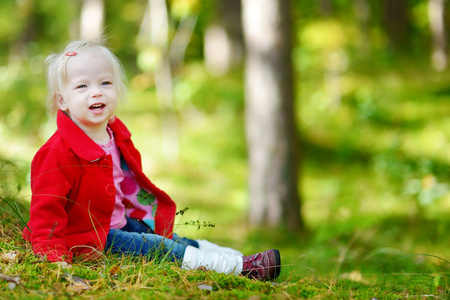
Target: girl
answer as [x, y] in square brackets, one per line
[89, 193]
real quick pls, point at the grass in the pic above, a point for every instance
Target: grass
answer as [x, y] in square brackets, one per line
[347, 266]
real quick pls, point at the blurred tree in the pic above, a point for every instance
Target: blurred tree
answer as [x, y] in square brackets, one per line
[325, 7]
[437, 26]
[154, 39]
[362, 13]
[27, 29]
[91, 19]
[396, 21]
[223, 38]
[270, 120]
[162, 51]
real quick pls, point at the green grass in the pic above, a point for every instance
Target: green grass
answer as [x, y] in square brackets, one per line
[347, 266]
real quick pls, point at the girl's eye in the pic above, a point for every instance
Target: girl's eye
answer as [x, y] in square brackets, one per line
[106, 83]
[81, 86]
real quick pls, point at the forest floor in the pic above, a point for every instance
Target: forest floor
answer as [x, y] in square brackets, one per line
[310, 270]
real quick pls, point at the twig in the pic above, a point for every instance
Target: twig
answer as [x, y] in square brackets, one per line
[15, 280]
[10, 279]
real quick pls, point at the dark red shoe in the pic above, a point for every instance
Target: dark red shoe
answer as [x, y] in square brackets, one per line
[262, 266]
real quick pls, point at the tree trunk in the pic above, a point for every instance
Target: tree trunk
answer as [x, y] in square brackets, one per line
[325, 7]
[362, 13]
[436, 17]
[223, 38]
[396, 21]
[91, 19]
[270, 122]
[154, 35]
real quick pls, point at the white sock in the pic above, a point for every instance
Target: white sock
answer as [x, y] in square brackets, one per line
[211, 247]
[214, 261]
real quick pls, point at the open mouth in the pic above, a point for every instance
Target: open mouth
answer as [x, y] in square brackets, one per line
[97, 106]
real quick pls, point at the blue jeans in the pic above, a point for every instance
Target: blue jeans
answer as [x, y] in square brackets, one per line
[137, 239]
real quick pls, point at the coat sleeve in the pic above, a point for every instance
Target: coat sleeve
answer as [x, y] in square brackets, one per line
[50, 185]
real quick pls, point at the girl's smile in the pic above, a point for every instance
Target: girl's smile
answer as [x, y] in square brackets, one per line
[97, 108]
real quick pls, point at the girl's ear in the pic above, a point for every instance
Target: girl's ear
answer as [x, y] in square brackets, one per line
[59, 100]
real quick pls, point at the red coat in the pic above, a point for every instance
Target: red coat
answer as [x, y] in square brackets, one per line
[73, 192]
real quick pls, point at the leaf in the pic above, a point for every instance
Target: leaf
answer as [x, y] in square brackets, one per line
[115, 270]
[58, 287]
[205, 287]
[77, 284]
[12, 257]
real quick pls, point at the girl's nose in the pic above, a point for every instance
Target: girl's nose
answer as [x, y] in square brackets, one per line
[95, 93]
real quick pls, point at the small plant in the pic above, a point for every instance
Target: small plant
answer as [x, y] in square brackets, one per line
[182, 211]
[194, 223]
[199, 224]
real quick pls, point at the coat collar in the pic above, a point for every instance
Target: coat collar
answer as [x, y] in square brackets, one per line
[121, 132]
[83, 145]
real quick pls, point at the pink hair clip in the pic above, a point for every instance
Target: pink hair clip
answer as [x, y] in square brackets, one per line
[71, 53]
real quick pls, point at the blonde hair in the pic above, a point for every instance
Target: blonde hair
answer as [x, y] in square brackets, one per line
[57, 75]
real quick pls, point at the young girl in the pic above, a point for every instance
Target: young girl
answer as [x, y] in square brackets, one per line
[89, 192]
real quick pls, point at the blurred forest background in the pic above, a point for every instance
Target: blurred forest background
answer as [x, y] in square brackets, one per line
[371, 90]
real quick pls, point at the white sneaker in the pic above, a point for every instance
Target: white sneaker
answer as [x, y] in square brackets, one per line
[195, 258]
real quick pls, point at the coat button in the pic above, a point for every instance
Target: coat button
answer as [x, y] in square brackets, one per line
[105, 165]
[110, 190]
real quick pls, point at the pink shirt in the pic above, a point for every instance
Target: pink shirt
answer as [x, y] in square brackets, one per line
[118, 219]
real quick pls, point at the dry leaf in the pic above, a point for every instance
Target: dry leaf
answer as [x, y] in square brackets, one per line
[77, 284]
[205, 287]
[115, 270]
[78, 287]
[58, 287]
[11, 257]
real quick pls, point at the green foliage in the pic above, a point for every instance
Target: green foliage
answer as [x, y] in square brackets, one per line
[12, 181]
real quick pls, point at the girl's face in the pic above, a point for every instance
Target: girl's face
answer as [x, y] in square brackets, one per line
[89, 96]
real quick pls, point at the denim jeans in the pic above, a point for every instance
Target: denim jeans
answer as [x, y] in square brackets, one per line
[137, 239]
